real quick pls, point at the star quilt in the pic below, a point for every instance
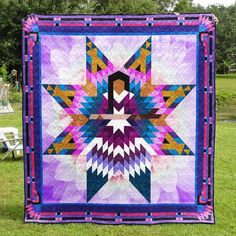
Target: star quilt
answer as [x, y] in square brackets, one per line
[119, 118]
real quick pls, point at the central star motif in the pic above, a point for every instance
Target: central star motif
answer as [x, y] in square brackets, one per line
[118, 119]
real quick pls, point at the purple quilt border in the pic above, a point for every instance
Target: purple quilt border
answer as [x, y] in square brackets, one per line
[32, 25]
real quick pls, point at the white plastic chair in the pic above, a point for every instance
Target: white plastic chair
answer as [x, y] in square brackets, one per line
[12, 144]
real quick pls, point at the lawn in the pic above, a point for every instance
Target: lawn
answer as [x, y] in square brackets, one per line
[11, 194]
[226, 86]
[226, 83]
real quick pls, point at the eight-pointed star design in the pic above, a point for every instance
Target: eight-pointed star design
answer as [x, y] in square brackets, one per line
[118, 119]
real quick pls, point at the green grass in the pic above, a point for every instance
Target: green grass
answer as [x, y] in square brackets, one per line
[226, 84]
[11, 194]
[228, 112]
[12, 119]
[226, 76]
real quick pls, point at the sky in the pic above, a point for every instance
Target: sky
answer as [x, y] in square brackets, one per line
[211, 2]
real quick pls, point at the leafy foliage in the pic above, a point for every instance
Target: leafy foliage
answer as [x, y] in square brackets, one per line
[224, 99]
[3, 72]
[12, 11]
[132, 7]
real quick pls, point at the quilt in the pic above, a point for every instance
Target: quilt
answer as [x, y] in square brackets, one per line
[119, 118]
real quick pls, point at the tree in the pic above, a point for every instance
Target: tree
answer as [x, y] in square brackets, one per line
[226, 35]
[12, 11]
[183, 6]
[226, 30]
[132, 7]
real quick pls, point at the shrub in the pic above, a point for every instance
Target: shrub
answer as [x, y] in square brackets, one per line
[224, 99]
[15, 97]
[3, 72]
